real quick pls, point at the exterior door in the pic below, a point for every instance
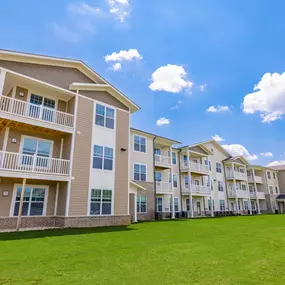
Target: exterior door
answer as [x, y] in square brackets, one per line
[232, 206]
[199, 208]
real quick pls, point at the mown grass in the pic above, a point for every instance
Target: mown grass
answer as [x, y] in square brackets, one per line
[234, 250]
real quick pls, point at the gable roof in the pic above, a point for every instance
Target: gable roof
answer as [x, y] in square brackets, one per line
[200, 145]
[71, 63]
[236, 158]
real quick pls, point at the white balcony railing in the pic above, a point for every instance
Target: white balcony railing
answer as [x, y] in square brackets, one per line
[196, 189]
[162, 160]
[11, 161]
[236, 175]
[258, 179]
[257, 195]
[163, 187]
[195, 166]
[250, 179]
[35, 112]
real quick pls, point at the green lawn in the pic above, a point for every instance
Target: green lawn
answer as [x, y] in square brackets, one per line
[234, 250]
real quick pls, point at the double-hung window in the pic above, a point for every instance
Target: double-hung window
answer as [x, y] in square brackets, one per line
[268, 175]
[175, 180]
[222, 205]
[101, 202]
[220, 186]
[274, 176]
[141, 204]
[174, 158]
[270, 189]
[157, 151]
[158, 176]
[243, 187]
[139, 172]
[219, 167]
[210, 206]
[105, 116]
[176, 204]
[102, 157]
[186, 181]
[159, 204]
[139, 143]
[246, 206]
[33, 203]
[276, 190]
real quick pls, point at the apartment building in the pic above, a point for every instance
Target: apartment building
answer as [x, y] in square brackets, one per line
[280, 199]
[64, 140]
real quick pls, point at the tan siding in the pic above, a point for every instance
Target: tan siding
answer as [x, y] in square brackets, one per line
[66, 146]
[56, 75]
[104, 97]
[81, 159]
[62, 199]
[2, 135]
[51, 199]
[5, 202]
[61, 106]
[121, 163]
[17, 133]
[71, 105]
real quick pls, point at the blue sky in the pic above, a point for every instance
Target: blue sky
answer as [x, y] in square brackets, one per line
[226, 46]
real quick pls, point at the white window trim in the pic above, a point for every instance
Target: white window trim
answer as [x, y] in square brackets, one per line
[30, 92]
[159, 171]
[176, 157]
[89, 203]
[13, 200]
[174, 204]
[145, 171]
[139, 212]
[175, 174]
[103, 158]
[134, 144]
[162, 204]
[94, 116]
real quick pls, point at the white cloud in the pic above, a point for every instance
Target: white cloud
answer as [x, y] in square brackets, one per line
[238, 149]
[267, 154]
[117, 66]
[218, 109]
[162, 121]
[83, 8]
[120, 9]
[268, 98]
[124, 55]
[203, 87]
[177, 106]
[276, 163]
[170, 78]
[217, 138]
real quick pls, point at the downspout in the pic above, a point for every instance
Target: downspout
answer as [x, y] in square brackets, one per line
[154, 182]
[180, 181]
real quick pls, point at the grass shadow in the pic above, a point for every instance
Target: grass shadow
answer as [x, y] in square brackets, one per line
[8, 236]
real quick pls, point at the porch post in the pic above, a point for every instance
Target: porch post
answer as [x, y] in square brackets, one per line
[190, 184]
[56, 199]
[2, 80]
[172, 185]
[136, 210]
[21, 205]
[211, 198]
[235, 186]
[255, 190]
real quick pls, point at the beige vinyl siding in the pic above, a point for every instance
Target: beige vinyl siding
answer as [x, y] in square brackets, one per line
[61, 199]
[81, 159]
[121, 163]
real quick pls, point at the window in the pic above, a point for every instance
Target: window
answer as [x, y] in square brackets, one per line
[248, 173]
[276, 190]
[274, 176]
[105, 116]
[243, 187]
[186, 181]
[176, 204]
[157, 151]
[140, 172]
[159, 204]
[141, 204]
[158, 176]
[251, 189]
[245, 204]
[42, 149]
[188, 204]
[241, 170]
[206, 162]
[174, 158]
[33, 202]
[209, 205]
[222, 205]
[239, 205]
[218, 167]
[268, 175]
[101, 202]
[175, 180]
[210, 166]
[140, 144]
[102, 157]
[220, 186]
[196, 182]
[253, 206]
[270, 189]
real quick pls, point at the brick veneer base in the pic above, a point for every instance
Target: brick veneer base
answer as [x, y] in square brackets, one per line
[9, 223]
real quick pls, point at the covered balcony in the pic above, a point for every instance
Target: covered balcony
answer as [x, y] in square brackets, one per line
[163, 187]
[196, 190]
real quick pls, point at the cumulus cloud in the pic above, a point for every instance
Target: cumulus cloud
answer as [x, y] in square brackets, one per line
[267, 154]
[170, 78]
[83, 8]
[268, 98]
[217, 138]
[162, 121]
[177, 106]
[117, 66]
[203, 87]
[276, 163]
[120, 9]
[238, 149]
[124, 55]
[218, 109]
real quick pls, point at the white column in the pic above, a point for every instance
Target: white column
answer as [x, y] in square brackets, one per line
[5, 141]
[21, 205]
[2, 80]
[255, 190]
[235, 186]
[211, 197]
[190, 185]
[247, 188]
[172, 185]
[56, 199]
[135, 212]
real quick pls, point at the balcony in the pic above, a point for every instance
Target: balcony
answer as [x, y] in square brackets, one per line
[257, 195]
[238, 194]
[162, 161]
[21, 111]
[199, 190]
[256, 179]
[163, 187]
[195, 166]
[236, 175]
[31, 166]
